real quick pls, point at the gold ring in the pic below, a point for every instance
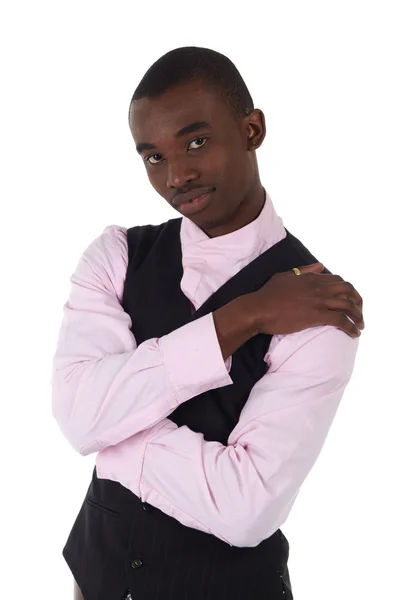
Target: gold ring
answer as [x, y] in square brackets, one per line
[297, 271]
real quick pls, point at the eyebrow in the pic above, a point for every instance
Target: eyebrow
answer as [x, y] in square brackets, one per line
[193, 127]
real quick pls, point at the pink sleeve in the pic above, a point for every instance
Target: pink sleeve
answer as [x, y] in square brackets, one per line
[243, 492]
[105, 388]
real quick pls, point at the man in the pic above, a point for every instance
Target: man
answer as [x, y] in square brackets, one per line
[192, 359]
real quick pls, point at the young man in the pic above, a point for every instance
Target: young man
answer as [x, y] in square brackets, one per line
[193, 360]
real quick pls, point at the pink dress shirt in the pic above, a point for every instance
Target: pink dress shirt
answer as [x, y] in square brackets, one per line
[113, 397]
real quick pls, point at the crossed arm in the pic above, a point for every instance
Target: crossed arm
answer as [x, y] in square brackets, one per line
[114, 397]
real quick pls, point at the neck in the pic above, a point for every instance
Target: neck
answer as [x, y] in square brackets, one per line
[247, 212]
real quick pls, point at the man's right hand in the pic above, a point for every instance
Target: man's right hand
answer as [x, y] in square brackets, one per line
[288, 303]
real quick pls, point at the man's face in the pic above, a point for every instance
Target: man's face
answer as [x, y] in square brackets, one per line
[212, 156]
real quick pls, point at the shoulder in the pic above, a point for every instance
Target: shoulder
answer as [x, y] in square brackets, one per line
[112, 239]
[103, 263]
[317, 353]
[108, 248]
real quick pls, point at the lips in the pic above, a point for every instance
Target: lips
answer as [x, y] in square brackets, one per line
[180, 199]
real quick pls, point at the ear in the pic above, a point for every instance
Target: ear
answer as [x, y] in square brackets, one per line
[255, 128]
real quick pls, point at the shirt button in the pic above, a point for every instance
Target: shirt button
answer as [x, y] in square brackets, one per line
[146, 506]
[136, 563]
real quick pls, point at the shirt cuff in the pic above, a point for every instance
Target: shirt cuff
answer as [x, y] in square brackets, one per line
[193, 359]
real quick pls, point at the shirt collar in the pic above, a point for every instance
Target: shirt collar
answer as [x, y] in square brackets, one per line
[262, 233]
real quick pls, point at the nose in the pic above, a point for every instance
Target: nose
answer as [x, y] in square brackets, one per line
[180, 173]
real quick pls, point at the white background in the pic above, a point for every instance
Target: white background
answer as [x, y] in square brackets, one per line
[326, 75]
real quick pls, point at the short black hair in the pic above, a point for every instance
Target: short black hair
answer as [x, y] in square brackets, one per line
[190, 63]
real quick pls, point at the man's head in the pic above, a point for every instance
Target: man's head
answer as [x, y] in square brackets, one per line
[194, 125]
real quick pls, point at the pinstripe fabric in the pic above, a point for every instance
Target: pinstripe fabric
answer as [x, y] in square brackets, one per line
[117, 542]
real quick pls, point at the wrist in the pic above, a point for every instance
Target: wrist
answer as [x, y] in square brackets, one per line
[250, 312]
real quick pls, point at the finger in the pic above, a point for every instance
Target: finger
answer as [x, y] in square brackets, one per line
[344, 288]
[340, 321]
[325, 278]
[348, 307]
[314, 268]
[305, 269]
[316, 277]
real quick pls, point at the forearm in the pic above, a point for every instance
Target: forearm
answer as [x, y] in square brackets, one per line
[99, 402]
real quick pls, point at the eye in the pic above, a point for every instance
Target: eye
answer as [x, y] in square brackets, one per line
[198, 140]
[152, 156]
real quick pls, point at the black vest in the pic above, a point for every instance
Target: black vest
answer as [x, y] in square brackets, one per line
[119, 543]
